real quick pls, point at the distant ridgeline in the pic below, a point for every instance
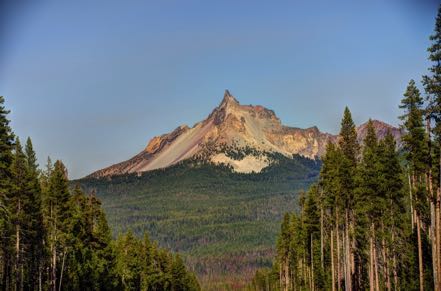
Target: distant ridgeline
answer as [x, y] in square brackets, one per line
[221, 221]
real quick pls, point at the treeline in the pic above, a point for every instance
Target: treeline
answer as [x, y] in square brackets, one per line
[56, 238]
[373, 220]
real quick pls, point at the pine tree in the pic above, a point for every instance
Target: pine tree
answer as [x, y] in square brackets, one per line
[6, 146]
[432, 86]
[36, 230]
[415, 145]
[18, 202]
[350, 148]
[179, 277]
[394, 210]
[128, 261]
[57, 219]
[368, 212]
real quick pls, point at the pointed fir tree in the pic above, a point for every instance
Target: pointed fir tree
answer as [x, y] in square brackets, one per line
[416, 152]
[57, 222]
[6, 146]
[36, 232]
[18, 201]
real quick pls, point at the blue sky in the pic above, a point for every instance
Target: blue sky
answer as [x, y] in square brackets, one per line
[92, 81]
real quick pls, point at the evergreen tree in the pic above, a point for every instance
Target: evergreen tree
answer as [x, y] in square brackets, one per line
[6, 146]
[415, 145]
[432, 82]
[350, 148]
[368, 210]
[18, 202]
[36, 231]
[57, 220]
[432, 86]
[394, 218]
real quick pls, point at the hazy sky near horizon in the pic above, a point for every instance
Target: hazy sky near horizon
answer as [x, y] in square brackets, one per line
[92, 81]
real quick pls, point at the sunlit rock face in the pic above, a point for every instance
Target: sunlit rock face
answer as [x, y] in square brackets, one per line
[232, 127]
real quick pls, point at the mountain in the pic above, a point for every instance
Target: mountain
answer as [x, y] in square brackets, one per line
[241, 136]
[216, 192]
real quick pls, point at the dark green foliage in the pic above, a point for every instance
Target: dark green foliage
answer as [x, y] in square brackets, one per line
[141, 265]
[376, 225]
[348, 138]
[56, 238]
[6, 145]
[222, 222]
[432, 82]
[415, 139]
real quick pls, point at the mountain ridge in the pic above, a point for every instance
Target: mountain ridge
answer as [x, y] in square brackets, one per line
[235, 127]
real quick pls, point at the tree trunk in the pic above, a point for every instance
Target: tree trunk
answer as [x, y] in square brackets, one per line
[384, 254]
[377, 279]
[54, 269]
[420, 254]
[394, 260]
[348, 253]
[281, 276]
[385, 265]
[438, 236]
[332, 261]
[411, 200]
[395, 273]
[62, 270]
[371, 260]
[338, 253]
[17, 248]
[312, 264]
[322, 256]
[434, 243]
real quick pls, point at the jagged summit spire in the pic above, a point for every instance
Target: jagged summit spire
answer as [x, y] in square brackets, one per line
[228, 98]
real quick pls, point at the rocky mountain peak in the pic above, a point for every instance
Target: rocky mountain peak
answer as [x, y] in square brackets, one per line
[228, 100]
[236, 127]
[381, 128]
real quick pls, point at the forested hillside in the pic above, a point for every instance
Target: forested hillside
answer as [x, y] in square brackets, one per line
[373, 220]
[224, 223]
[56, 238]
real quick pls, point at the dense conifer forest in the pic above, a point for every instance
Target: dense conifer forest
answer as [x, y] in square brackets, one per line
[222, 223]
[55, 237]
[373, 220]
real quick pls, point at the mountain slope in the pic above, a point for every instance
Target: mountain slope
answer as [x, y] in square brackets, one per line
[232, 127]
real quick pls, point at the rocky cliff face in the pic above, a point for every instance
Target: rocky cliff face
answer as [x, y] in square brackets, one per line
[232, 126]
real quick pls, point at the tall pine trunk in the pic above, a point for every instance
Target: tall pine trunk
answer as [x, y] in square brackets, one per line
[411, 200]
[322, 256]
[17, 248]
[371, 259]
[420, 253]
[377, 278]
[338, 252]
[348, 253]
[384, 253]
[434, 243]
[62, 270]
[332, 261]
[312, 264]
[438, 236]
